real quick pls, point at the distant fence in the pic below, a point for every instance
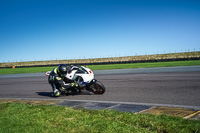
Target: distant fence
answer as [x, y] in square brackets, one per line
[118, 62]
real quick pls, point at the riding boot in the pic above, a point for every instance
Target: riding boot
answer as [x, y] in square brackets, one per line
[56, 93]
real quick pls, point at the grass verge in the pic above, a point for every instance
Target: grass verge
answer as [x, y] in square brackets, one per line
[104, 67]
[17, 118]
[145, 65]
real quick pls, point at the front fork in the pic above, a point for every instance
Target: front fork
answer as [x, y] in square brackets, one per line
[88, 87]
[93, 81]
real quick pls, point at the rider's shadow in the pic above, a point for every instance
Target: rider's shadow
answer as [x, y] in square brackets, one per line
[50, 94]
[46, 94]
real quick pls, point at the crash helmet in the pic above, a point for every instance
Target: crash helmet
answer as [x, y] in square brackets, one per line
[62, 69]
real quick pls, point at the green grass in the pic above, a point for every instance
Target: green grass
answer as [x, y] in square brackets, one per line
[104, 67]
[145, 65]
[26, 118]
[25, 70]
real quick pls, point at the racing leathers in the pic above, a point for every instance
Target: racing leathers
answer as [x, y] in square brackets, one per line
[60, 84]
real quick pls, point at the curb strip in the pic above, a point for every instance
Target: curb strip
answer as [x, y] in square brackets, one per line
[191, 115]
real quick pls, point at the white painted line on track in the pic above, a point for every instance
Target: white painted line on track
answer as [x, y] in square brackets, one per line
[116, 105]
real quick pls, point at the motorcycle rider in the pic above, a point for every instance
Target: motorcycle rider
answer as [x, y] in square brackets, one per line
[58, 81]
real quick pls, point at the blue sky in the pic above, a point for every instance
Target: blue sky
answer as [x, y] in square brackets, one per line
[71, 29]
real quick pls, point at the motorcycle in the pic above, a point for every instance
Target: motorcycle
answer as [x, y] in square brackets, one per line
[85, 77]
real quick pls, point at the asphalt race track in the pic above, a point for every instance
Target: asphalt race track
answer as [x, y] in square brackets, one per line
[166, 85]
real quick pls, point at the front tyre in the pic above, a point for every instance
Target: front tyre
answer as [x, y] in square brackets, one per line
[97, 88]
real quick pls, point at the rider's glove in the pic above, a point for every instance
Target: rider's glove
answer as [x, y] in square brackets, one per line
[75, 85]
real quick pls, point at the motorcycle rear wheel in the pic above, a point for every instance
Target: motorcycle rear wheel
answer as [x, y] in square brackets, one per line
[97, 88]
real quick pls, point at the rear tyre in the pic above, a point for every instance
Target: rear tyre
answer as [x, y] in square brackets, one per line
[97, 88]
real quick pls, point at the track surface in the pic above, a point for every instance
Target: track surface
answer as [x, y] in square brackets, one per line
[174, 86]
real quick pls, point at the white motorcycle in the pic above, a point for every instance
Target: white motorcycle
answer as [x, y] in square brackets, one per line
[85, 77]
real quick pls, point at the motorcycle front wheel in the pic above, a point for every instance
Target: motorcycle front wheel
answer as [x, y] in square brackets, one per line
[97, 88]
